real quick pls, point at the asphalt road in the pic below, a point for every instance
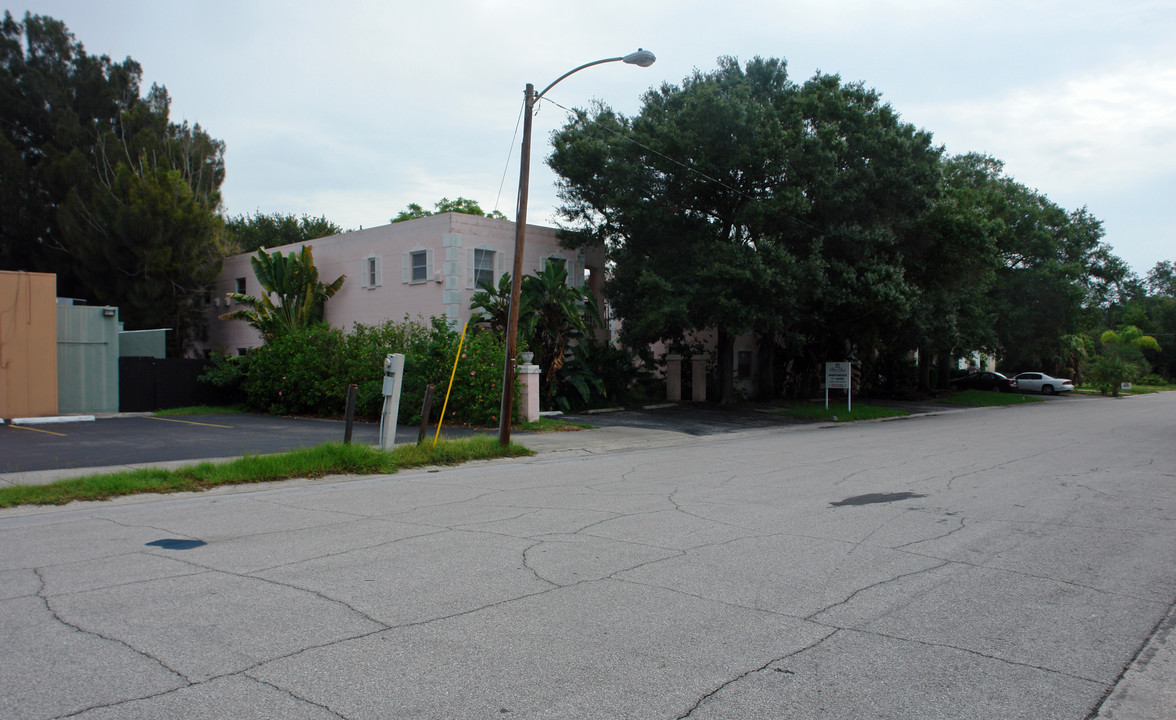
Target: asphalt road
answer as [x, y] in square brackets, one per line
[997, 563]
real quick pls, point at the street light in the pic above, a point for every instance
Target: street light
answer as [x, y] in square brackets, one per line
[641, 58]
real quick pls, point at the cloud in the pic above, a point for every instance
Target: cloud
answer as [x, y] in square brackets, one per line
[1099, 132]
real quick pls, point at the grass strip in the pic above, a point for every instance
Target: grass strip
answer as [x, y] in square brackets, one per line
[552, 425]
[986, 398]
[202, 410]
[312, 462]
[836, 412]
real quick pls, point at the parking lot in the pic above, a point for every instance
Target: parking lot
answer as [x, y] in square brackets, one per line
[136, 439]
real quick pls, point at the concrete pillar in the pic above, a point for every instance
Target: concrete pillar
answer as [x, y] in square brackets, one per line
[674, 378]
[529, 407]
[698, 377]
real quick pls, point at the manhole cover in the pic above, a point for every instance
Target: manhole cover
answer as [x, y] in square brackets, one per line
[177, 544]
[874, 498]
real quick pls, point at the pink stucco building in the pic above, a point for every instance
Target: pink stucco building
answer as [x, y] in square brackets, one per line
[419, 268]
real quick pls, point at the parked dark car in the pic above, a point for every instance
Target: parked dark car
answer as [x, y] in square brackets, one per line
[984, 381]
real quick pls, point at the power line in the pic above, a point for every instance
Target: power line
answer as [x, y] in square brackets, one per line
[509, 153]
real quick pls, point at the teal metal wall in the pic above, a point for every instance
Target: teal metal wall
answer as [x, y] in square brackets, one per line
[87, 359]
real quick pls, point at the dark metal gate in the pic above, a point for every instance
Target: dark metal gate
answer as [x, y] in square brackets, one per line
[147, 384]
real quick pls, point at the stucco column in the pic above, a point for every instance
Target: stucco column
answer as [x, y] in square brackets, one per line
[674, 378]
[529, 406]
[698, 377]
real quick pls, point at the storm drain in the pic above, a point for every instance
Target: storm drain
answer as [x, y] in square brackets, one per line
[875, 498]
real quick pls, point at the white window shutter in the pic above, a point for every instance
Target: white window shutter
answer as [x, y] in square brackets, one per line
[406, 268]
[363, 274]
[428, 265]
[499, 266]
[379, 271]
[470, 269]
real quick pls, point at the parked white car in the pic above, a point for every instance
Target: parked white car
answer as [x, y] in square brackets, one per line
[1042, 383]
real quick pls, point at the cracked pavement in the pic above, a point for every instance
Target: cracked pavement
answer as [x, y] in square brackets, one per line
[993, 563]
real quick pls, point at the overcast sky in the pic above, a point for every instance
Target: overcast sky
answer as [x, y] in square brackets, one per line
[353, 110]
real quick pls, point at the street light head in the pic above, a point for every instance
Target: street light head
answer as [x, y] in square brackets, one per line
[641, 58]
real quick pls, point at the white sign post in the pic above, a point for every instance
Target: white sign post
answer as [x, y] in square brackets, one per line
[838, 377]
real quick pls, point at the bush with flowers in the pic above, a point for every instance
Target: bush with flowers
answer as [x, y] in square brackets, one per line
[307, 371]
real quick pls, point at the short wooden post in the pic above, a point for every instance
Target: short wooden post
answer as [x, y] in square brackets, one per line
[426, 410]
[349, 415]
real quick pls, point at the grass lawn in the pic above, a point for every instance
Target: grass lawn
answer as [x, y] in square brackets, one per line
[203, 410]
[986, 398]
[551, 425]
[837, 411]
[1135, 390]
[315, 462]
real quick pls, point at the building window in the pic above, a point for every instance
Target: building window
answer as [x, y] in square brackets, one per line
[743, 364]
[241, 285]
[416, 267]
[373, 272]
[420, 266]
[483, 267]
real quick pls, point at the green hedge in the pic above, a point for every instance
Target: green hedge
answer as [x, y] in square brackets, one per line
[307, 372]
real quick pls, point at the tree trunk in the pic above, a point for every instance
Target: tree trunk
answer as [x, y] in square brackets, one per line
[726, 348]
[766, 374]
[945, 366]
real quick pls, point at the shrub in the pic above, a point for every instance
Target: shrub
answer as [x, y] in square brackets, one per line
[227, 373]
[307, 371]
[597, 374]
[298, 373]
[476, 397]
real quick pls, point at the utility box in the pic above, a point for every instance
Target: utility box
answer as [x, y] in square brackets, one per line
[393, 379]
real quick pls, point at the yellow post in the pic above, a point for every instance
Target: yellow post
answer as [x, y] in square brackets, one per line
[451, 376]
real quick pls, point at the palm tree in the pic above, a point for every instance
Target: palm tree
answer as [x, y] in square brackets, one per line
[559, 318]
[1122, 357]
[493, 303]
[300, 295]
[555, 322]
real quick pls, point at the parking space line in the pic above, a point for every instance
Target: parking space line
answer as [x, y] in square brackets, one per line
[47, 432]
[188, 422]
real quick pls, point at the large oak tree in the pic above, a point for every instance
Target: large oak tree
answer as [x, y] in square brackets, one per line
[741, 202]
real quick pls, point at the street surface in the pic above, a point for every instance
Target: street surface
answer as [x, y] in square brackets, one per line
[989, 563]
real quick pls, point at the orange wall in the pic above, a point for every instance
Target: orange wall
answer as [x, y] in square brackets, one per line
[28, 344]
